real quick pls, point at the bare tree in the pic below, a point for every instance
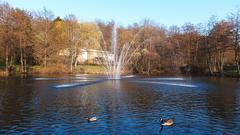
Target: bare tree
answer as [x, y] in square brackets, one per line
[208, 46]
[73, 37]
[43, 25]
[221, 40]
[6, 32]
[235, 20]
[23, 33]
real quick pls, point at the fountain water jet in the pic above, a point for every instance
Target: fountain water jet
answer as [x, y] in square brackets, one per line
[115, 66]
[118, 58]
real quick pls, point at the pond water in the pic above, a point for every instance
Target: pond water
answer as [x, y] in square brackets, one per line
[61, 105]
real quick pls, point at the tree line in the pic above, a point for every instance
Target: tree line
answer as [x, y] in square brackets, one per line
[36, 38]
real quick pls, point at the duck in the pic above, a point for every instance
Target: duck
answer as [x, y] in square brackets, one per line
[92, 119]
[166, 122]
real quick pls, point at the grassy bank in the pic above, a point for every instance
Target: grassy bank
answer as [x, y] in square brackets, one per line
[62, 69]
[56, 69]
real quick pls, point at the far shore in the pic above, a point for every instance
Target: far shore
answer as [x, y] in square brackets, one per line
[60, 70]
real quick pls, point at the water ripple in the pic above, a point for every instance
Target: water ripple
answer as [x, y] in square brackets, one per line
[122, 107]
[169, 83]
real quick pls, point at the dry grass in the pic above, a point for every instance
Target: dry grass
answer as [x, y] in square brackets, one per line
[63, 69]
[56, 69]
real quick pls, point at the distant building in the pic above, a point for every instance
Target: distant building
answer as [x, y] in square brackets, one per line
[90, 56]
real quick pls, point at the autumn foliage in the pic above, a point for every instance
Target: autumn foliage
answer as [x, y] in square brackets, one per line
[36, 38]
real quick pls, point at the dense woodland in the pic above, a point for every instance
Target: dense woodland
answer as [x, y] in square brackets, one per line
[29, 39]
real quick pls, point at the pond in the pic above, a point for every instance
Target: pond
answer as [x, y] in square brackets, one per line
[134, 105]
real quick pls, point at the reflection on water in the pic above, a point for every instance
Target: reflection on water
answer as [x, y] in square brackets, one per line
[128, 106]
[169, 83]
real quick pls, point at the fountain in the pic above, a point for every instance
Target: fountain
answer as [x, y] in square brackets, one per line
[115, 60]
[118, 59]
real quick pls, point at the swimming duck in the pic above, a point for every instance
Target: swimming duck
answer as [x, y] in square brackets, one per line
[166, 122]
[92, 119]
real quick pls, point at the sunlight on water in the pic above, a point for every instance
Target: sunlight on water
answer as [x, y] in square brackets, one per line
[67, 85]
[128, 76]
[45, 79]
[168, 79]
[128, 106]
[169, 83]
[84, 83]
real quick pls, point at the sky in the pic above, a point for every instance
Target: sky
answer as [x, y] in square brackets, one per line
[125, 12]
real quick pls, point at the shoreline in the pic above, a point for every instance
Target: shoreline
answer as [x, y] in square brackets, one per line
[100, 70]
[164, 74]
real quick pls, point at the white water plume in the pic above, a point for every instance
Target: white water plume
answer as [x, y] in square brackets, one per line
[117, 60]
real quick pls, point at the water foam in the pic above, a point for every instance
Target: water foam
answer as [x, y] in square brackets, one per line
[45, 79]
[169, 83]
[67, 85]
[168, 79]
[128, 76]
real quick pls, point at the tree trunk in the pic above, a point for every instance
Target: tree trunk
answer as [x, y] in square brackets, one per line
[11, 61]
[209, 62]
[6, 60]
[221, 63]
[215, 63]
[75, 57]
[21, 61]
[71, 64]
[218, 60]
[75, 63]
[238, 69]
[149, 67]
[45, 48]
[25, 60]
[195, 55]
[25, 65]
[45, 43]
[237, 62]
[21, 56]
[45, 57]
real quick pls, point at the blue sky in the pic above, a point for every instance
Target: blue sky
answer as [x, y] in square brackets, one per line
[167, 12]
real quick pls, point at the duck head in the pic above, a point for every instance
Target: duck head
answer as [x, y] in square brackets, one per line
[161, 120]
